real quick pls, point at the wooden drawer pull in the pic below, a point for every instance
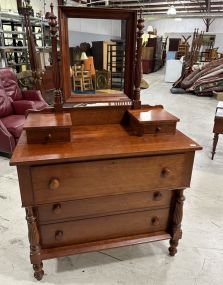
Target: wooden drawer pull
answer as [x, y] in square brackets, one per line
[158, 129]
[54, 184]
[48, 137]
[157, 196]
[155, 221]
[165, 172]
[57, 208]
[59, 235]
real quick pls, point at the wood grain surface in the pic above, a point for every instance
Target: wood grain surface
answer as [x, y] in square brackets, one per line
[85, 208]
[108, 177]
[106, 227]
[100, 142]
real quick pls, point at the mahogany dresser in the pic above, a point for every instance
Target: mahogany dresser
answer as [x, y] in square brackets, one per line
[106, 187]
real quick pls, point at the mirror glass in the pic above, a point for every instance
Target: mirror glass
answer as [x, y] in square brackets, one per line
[96, 55]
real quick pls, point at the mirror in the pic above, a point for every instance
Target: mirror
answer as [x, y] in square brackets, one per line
[97, 54]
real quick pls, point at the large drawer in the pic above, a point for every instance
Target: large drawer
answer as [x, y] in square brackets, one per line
[100, 228]
[103, 205]
[70, 181]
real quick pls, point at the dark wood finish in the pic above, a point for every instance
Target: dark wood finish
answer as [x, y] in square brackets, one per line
[152, 121]
[218, 127]
[52, 19]
[174, 44]
[148, 66]
[48, 128]
[98, 54]
[130, 16]
[138, 73]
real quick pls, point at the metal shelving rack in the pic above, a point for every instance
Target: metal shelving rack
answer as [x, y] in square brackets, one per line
[13, 43]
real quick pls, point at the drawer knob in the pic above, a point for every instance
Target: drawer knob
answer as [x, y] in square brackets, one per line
[57, 208]
[59, 235]
[48, 137]
[158, 129]
[54, 184]
[155, 221]
[165, 172]
[157, 196]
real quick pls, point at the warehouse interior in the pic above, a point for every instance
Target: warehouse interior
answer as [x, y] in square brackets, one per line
[85, 205]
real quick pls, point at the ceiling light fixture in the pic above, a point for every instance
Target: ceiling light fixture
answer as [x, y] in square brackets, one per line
[171, 11]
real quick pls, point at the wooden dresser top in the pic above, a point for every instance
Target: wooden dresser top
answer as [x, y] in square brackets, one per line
[151, 116]
[92, 142]
[60, 120]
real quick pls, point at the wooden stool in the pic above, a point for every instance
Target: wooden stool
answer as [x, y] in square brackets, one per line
[218, 126]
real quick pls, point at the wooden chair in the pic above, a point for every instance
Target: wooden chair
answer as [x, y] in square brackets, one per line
[77, 77]
[87, 80]
[82, 78]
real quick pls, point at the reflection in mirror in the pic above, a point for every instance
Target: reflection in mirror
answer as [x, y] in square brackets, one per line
[97, 55]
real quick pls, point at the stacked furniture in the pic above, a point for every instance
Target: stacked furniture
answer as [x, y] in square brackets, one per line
[153, 59]
[147, 59]
[102, 177]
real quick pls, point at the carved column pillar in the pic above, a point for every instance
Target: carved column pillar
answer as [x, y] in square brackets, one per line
[176, 232]
[52, 20]
[138, 65]
[35, 249]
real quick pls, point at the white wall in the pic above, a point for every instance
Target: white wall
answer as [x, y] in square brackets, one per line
[175, 29]
[171, 26]
[96, 26]
[185, 26]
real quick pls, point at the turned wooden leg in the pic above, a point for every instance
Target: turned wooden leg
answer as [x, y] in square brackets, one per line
[176, 232]
[215, 142]
[35, 249]
[38, 271]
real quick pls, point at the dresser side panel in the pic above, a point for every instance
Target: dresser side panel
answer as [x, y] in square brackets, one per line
[25, 184]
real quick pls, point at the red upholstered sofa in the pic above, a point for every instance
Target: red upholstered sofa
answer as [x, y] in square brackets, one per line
[13, 105]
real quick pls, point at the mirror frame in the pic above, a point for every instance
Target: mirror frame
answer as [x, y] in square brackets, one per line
[66, 12]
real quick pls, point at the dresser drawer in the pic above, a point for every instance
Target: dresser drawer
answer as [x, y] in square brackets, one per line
[48, 135]
[70, 181]
[100, 228]
[159, 128]
[103, 205]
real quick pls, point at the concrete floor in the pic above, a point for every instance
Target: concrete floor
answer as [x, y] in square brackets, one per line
[200, 257]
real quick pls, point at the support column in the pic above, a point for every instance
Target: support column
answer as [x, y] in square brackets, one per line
[176, 232]
[34, 240]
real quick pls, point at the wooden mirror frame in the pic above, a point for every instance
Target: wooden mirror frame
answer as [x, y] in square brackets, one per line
[130, 16]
